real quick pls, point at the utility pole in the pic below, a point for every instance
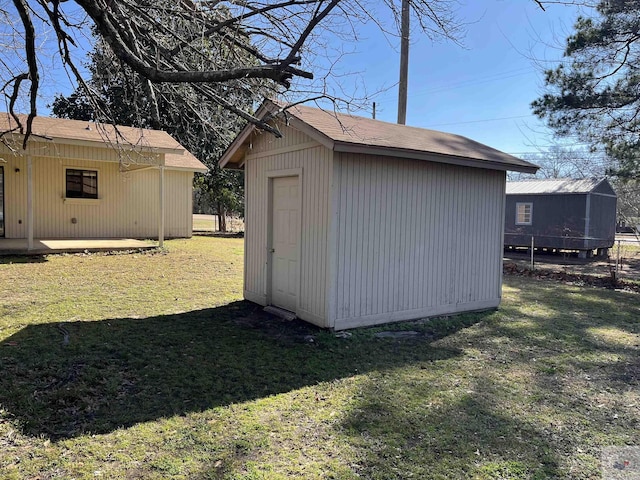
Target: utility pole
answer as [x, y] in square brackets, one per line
[404, 64]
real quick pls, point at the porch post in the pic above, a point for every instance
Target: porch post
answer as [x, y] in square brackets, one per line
[29, 203]
[161, 199]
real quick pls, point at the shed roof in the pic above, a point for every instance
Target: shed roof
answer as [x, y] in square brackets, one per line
[554, 186]
[347, 133]
[106, 135]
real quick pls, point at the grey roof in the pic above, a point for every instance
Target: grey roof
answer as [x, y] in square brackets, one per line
[553, 185]
[347, 133]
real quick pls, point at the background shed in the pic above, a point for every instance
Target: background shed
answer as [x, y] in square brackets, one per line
[351, 221]
[562, 214]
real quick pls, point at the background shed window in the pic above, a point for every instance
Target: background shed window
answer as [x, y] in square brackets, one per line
[524, 213]
[82, 183]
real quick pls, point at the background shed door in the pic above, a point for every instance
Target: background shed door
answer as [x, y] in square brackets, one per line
[285, 217]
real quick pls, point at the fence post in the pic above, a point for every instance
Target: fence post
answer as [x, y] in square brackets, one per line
[532, 264]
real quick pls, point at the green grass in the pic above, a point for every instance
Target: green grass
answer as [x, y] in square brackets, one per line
[149, 366]
[211, 223]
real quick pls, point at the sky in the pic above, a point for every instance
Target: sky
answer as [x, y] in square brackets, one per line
[481, 90]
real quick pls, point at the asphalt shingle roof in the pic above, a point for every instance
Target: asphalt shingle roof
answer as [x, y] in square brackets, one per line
[364, 131]
[176, 156]
[347, 133]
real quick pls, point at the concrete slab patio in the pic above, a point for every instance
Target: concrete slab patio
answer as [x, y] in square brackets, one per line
[19, 246]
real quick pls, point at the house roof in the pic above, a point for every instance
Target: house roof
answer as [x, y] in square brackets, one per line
[554, 186]
[106, 135]
[347, 133]
[184, 161]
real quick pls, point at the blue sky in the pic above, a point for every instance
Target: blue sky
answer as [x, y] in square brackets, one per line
[482, 90]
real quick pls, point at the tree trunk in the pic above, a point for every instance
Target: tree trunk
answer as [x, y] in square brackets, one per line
[222, 221]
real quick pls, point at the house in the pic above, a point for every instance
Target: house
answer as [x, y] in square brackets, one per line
[561, 214]
[351, 221]
[80, 179]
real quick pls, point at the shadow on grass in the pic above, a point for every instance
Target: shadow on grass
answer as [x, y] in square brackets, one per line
[65, 380]
[9, 259]
[555, 358]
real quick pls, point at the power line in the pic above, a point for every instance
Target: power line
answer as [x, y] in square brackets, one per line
[471, 82]
[479, 121]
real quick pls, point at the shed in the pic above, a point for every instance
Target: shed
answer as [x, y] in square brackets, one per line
[351, 221]
[561, 214]
[81, 180]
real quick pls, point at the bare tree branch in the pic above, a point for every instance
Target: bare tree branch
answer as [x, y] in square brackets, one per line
[30, 48]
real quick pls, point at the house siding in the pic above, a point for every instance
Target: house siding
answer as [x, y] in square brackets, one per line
[572, 221]
[415, 239]
[15, 183]
[602, 224]
[128, 203]
[268, 154]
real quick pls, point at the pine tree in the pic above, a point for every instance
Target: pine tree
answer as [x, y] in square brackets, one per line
[595, 94]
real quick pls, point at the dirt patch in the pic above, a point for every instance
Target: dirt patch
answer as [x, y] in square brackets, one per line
[569, 263]
[594, 276]
[294, 331]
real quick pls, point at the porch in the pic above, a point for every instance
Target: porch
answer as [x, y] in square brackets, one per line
[20, 246]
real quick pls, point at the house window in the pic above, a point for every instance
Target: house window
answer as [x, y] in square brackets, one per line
[524, 213]
[81, 183]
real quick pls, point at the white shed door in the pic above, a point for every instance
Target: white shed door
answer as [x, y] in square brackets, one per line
[285, 242]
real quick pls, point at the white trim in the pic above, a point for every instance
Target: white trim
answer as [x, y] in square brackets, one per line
[237, 143]
[307, 129]
[289, 172]
[279, 151]
[405, 315]
[332, 241]
[395, 152]
[161, 201]
[83, 201]
[530, 222]
[185, 169]
[603, 194]
[311, 318]
[29, 203]
[124, 145]
[142, 169]
[244, 238]
[254, 297]
[500, 247]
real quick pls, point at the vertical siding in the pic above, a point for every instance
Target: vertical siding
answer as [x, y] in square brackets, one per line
[315, 162]
[178, 203]
[15, 212]
[127, 205]
[415, 238]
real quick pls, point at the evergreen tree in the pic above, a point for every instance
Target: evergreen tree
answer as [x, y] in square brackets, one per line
[595, 94]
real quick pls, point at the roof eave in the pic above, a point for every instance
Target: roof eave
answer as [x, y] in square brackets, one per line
[233, 157]
[187, 169]
[347, 147]
[547, 193]
[103, 144]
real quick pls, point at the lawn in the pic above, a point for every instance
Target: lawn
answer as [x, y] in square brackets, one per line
[149, 365]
